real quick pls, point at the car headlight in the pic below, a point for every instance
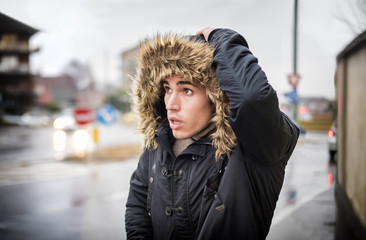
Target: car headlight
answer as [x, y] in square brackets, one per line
[80, 142]
[59, 123]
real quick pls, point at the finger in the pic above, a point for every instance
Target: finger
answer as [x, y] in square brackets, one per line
[205, 32]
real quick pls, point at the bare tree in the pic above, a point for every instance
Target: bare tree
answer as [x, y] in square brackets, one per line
[353, 14]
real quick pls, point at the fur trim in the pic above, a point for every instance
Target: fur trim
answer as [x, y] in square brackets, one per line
[172, 54]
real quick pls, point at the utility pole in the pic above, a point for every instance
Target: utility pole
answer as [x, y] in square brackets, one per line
[295, 39]
[294, 77]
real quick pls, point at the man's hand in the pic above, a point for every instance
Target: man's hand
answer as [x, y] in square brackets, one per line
[205, 32]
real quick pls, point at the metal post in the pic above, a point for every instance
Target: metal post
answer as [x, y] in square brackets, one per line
[295, 39]
[295, 54]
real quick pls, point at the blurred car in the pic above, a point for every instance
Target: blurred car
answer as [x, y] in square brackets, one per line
[35, 119]
[11, 119]
[332, 140]
[65, 121]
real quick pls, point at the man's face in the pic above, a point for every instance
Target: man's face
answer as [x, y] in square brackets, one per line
[188, 108]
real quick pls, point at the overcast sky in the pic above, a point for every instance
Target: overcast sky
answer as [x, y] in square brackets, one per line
[96, 32]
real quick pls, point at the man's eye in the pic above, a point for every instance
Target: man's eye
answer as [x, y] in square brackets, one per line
[188, 91]
[167, 89]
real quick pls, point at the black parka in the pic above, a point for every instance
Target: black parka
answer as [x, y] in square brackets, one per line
[194, 196]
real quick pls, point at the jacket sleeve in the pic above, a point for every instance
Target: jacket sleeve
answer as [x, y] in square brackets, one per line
[262, 130]
[137, 220]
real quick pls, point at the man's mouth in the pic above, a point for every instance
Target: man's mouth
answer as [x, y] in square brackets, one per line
[175, 124]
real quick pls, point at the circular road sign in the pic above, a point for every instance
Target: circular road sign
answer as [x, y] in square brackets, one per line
[83, 116]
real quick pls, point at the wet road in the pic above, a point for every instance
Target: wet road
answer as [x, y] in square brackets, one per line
[22, 145]
[18, 144]
[60, 200]
[87, 205]
[308, 173]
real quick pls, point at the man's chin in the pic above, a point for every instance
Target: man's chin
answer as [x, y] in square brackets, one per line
[180, 135]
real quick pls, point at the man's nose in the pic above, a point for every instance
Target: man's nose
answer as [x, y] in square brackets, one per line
[172, 102]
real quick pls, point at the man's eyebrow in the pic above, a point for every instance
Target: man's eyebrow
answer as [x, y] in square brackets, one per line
[186, 82]
[181, 82]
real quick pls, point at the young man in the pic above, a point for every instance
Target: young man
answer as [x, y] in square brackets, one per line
[216, 143]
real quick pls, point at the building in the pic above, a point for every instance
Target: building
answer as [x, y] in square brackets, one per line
[67, 91]
[60, 89]
[312, 113]
[350, 188]
[129, 65]
[16, 82]
[74, 87]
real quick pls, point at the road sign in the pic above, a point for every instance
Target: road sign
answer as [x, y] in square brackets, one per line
[83, 116]
[292, 96]
[293, 79]
[107, 115]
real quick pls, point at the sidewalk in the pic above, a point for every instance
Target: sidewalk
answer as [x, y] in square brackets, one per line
[314, 219]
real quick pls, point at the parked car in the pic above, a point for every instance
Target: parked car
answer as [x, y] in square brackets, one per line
[35, 119]
[332, 140]
[65, 121]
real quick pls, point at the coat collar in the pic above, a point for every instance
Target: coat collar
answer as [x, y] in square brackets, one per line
[166, 140]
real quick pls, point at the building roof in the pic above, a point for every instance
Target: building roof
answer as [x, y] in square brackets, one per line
[63, 81]
[11, 25]
[358, 42]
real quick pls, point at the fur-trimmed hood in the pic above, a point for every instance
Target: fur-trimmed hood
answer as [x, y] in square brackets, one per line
[190, 57]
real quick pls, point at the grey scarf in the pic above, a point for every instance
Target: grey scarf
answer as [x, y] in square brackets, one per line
[181, 144]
